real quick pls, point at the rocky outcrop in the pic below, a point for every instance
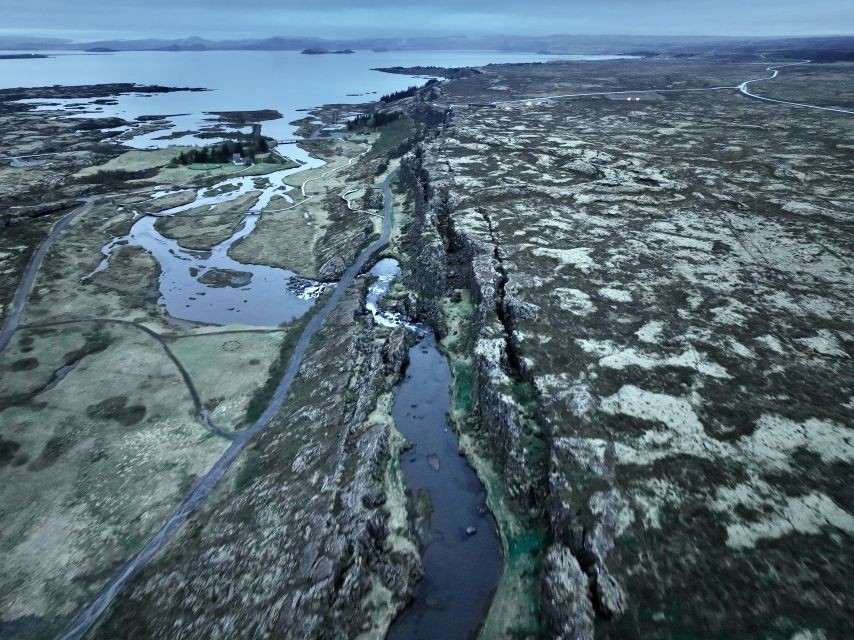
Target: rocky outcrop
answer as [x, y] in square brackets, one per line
[396, 350]
[565, 596]
[342, 240]
[674, 288]
[427, 246]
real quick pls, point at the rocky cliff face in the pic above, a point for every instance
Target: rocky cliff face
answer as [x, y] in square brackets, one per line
[429, 259]
[444, 257]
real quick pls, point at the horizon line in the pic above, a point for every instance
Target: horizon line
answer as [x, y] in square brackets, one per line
[72, 40]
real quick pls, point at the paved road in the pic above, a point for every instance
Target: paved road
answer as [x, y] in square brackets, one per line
[333, 170]
[29, 277]
[743, 87]
[501, 103]
[88, 616]
[774, 72]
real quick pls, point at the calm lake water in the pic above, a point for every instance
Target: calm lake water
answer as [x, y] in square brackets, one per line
[287, 81]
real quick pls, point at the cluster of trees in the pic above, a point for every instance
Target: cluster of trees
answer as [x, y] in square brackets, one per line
[406, 93]
[398, 95]
[372, 121]
[223, 153]
[115, 177]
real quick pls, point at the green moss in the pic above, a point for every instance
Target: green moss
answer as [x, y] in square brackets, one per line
[246, 474]
[514, 612]
[96, 339]
[523, 392]
[24, 364]
[8, 450]
[462, 388]
[116, 408]
[51, 452]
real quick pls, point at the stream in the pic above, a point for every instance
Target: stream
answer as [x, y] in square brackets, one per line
[461, 551]
[242, 293]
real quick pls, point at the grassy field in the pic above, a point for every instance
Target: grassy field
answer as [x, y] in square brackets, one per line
[136, 161]
[391, 135]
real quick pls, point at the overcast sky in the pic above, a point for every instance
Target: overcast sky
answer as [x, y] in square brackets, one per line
[90, 19]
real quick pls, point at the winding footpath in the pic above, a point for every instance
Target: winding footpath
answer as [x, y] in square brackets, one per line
[29, 276]
[25, 287]
[307, 197]
[201, 411]
[88, 616]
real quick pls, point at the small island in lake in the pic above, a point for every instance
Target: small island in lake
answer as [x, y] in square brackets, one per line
[21, 56]
[318, 52]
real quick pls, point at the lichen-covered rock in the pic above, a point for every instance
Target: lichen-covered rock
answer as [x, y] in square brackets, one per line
[332, 269]
[396, 350]
[566, 596]
[610, 597]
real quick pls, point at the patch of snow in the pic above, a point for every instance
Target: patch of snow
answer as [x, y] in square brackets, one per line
[578, 257]
[824, 343]
[807, 514]
[574, 301]
[772, 343]
[776, 437]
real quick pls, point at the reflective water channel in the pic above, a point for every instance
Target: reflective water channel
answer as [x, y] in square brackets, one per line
[249, 293]
[461, 551]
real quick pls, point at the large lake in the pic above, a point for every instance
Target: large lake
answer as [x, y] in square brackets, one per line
[244, 80]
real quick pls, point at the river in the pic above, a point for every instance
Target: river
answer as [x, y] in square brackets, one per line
[461, 551]
[237, 81]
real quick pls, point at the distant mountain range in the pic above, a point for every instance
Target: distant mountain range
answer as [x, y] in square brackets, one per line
[556, 44]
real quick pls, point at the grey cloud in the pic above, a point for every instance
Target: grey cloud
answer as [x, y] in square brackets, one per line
[355, 18]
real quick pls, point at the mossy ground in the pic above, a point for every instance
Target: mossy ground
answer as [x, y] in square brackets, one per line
[675, 289]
